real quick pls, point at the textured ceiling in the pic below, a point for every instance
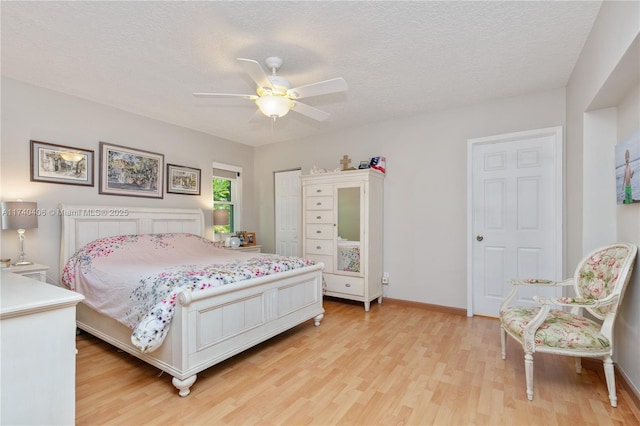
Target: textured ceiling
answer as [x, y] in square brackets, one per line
[398, 58]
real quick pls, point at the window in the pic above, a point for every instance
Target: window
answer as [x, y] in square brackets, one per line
[227, 190]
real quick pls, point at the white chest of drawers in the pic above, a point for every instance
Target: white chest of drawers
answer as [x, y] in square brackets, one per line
[37, 352]
[342, 228]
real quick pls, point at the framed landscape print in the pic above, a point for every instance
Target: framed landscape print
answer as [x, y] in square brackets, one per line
[183, 180]
[61, 164]
[130, 172]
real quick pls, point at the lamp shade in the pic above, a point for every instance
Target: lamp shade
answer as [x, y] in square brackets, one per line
[19, 215]
[221, 217]
[274, 106]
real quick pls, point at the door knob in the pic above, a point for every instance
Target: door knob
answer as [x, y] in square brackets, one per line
[479, 237]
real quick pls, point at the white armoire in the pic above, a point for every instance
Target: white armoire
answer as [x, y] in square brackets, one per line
[342, 227]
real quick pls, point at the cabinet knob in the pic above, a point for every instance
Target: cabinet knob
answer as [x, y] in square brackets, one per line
[318, 204]
[318, 190]
[318, 232]
[318, 217]
[318, 247]
[347, 285]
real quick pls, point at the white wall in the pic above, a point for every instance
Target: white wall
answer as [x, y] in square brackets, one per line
[600, 137]
[613, 32]
[32, 113]
[425, 186]
[594, 86]
[628, 229]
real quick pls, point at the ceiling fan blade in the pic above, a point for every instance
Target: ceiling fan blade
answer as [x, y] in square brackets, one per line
[321, 88]
[257, 117]
[256, 72]
[225, 95]
[309, 111]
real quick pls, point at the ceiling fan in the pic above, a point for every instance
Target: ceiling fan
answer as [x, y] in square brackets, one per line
[274, 95]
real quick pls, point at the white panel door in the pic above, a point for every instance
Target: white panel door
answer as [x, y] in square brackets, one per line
[288, 206]
[516, 215]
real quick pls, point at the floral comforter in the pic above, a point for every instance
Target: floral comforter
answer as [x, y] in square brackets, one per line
[136, 279]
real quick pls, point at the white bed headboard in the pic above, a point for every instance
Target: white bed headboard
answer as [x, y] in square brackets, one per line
[83, 224]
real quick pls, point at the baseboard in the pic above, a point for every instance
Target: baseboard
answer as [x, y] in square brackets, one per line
[596, 365]
[428, 306]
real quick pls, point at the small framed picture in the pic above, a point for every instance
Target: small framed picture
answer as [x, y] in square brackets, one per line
[364, 165]
[183, 180]
[130, 172]
[53, 163]
[250, 239]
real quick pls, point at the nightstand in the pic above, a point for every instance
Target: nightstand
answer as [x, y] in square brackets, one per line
[35, 271]
[254, 248]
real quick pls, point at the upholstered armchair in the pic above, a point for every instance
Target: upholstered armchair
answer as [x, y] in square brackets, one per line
[557, 326]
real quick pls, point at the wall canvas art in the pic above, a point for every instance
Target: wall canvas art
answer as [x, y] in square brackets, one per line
[130, 172]
[628, 169]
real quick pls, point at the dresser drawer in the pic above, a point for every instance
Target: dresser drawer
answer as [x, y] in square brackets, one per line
[319, 203]
[344, 284]
[326, 259]
[319, 216]
[319, 190]
[319, 247]
[320, 231]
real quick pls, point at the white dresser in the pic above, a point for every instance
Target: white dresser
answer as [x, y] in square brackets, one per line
[37, 352]
[342, 227]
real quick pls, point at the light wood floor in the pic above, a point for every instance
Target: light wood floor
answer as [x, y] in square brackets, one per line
[397, 364]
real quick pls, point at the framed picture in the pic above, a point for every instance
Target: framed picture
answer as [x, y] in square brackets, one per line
[130, 172]
[627, 159]
[183, 180]
[61, 164]
[250, 238]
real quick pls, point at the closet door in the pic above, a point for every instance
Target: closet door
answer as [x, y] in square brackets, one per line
[288, 214]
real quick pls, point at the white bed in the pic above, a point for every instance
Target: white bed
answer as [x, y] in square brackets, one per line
[208, 326]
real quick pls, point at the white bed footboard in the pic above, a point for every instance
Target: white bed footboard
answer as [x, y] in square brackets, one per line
[209, 325]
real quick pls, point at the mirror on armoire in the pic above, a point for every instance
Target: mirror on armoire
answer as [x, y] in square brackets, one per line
[348, 252]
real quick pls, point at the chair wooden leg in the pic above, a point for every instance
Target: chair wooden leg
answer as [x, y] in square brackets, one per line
[611, 380]
[528, 371]
[578, 361]
[503, 342]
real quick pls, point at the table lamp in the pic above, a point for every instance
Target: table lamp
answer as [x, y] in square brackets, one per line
[220, 218]
[19, 215]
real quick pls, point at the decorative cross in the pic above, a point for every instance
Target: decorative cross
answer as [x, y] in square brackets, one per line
[345, 162]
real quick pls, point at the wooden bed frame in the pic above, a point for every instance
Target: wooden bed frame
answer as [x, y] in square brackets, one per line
[210, 325]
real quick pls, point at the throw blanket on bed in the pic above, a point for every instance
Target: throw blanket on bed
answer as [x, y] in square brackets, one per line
[136, 279]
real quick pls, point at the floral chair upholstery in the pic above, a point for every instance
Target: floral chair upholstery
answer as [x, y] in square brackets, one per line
[599, 283]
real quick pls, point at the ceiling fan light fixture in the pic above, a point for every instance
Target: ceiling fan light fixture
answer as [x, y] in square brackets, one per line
[274, 96]
[274, 106]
